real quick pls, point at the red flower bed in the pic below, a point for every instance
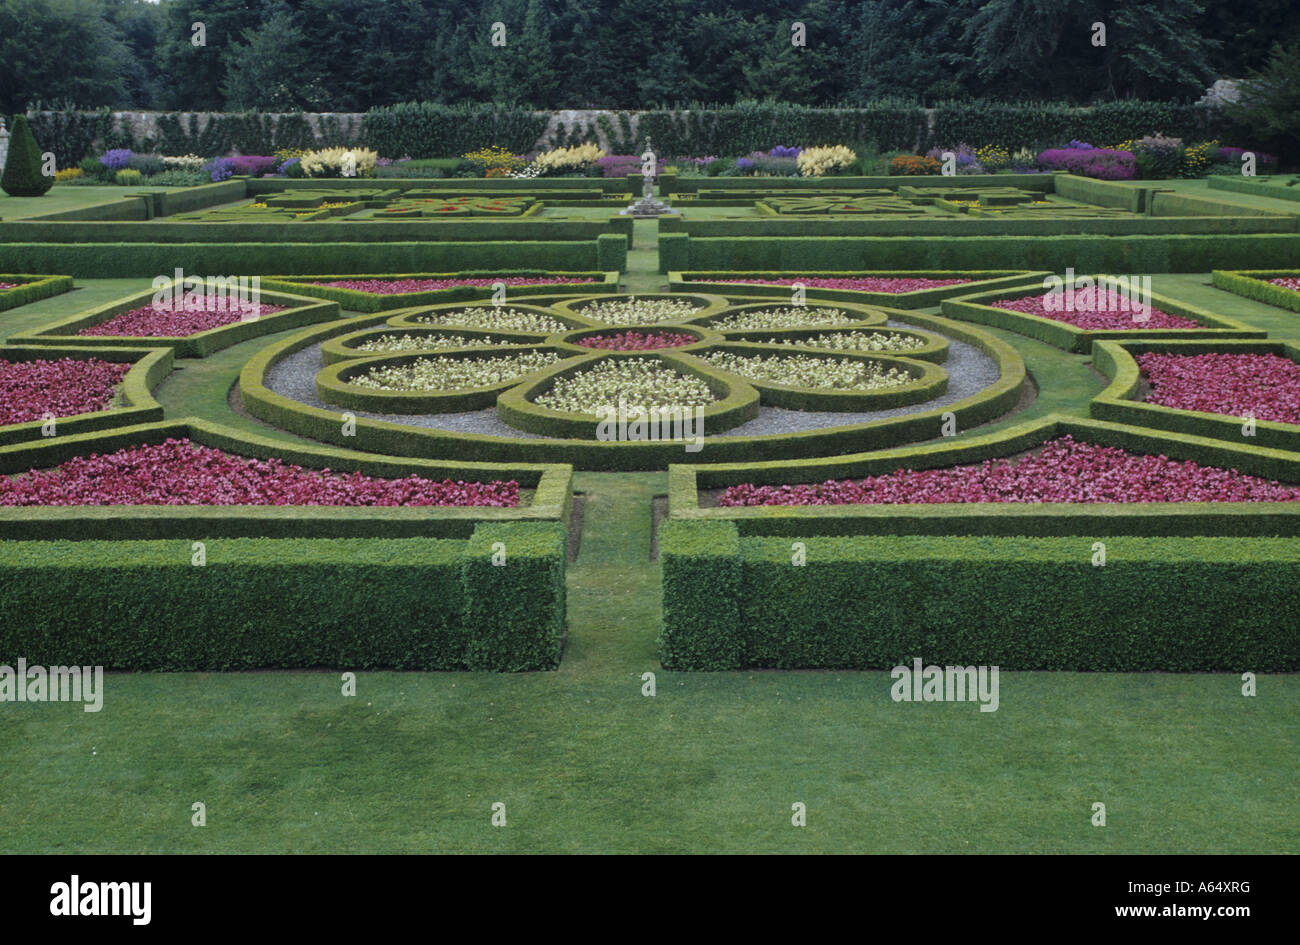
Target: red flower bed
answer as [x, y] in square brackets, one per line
[179, 472]
[9, 285]
[872, 284]
[1115, 319]
[64, 387]
[1263, 386]
[1065, 470]
[1288, 282]
[179, 319]
[396, 286]
[635, 341]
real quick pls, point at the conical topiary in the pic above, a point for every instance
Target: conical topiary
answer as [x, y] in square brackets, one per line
[22, 175]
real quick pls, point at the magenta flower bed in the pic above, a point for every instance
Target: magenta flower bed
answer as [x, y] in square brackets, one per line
[872, 284]
[180, 318]
[9, 285]
[179, 472]
[1288, 282]
[398, 286]
[1263, 386]
[64, 387]
[635, 341]
[1099, 163]
[1064, 470]
[1095, 319]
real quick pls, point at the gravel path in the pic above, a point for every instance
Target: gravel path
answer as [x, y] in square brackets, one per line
[969, 371]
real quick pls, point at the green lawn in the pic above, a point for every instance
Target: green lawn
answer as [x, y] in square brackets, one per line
[712, 763]
[66, 197]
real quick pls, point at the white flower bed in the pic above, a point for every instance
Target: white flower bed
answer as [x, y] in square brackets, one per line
[634, 311]
[799, 370]
[489, 316]
[641, 383]
[858, 341]
[427, 342]
[454, 373]
[763, 319]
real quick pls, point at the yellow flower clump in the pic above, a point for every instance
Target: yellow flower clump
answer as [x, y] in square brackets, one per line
[569, 159]
[68, 173]
[330, 162]
[817, 162]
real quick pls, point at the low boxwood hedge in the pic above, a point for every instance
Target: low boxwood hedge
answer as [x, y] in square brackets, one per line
[1255, 284]
[1118, 401]
[977, 308]
[298, 311]
[707, 281]
[354, 301]
[1157, 604]
[149, 366]
[550, 485]
[346, 604]
[31, 288]
[991, 518]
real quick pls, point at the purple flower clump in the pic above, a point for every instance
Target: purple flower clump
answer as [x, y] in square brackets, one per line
[1099, 163]
[220, 169]
[116, 159]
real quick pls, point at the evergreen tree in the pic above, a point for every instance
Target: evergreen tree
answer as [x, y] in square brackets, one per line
[22, 175]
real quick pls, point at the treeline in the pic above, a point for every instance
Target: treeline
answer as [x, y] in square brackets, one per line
[352, 55]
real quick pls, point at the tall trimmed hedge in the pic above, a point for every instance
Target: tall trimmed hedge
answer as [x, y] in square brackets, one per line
[431, 130]
[413, 603]
[22, 175]
[700, 563]
[1167, 604]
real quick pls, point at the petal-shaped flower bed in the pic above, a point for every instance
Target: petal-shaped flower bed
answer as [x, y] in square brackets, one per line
[445, 374]
[1064, 470]
[640, 383]
[891, 341]
[801, 370]
[178, 472]
[29, 390]
[181, 318]
[637, 341]
[643, 310]
[1096, 318]
[1263, 386]
[492, 317]
[770, 317]
[431, 341]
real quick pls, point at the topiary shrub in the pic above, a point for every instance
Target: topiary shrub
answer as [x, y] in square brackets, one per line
[22, 175]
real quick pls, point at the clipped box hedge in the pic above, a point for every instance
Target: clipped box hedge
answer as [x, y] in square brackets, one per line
[1264, 186]
[1255, 284]
[299, 311]
[1119, 403]
[149, 366]
[977, 308]
[709, 281]
[685, 482]
[1157, 604]
[31, 288]
[353, 301]
[550, 499]
[346, 604]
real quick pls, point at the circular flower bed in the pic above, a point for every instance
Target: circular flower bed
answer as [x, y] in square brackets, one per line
[858, 341]
[640, 383]
[1064, 470]
[799, 370]
[798, 316]
[66, 387]
[635, 341]
[1288, 282]
[891, 284]
[400, 286]
[639, 311]
[181, 318]
[505, 319]
[179, 472]
[1263, 386]
[1095, 319]
[425, 342]
[453, 373]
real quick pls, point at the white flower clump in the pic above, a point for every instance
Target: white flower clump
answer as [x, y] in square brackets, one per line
[640, 383]
[800, 370]
[489, 316]
[186, 162]
[793, 317]
[634, 311]
[454, 373]
[425, 342]
[858, 341]
[818, 162]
